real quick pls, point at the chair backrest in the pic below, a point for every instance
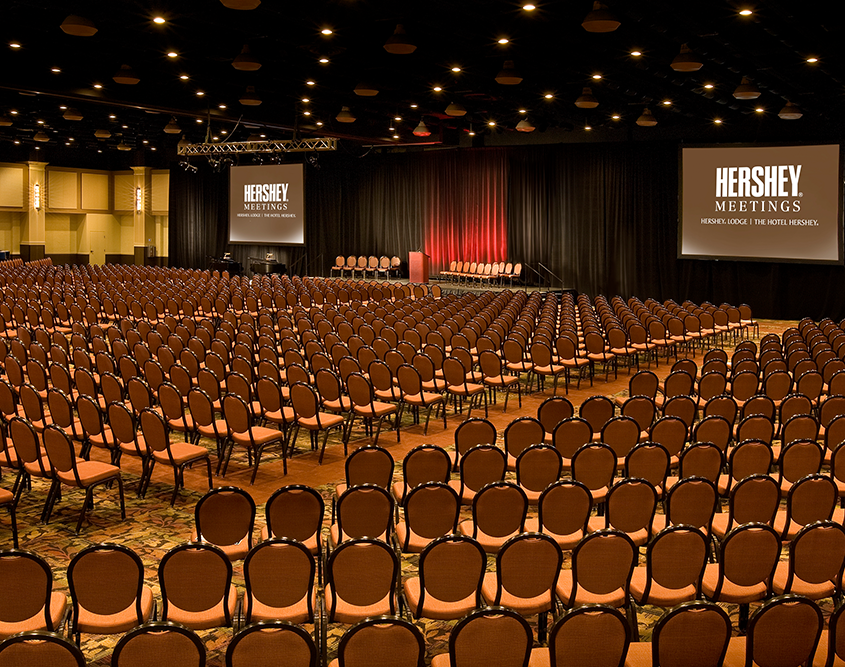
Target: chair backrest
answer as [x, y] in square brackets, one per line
[594, 465]
[554, 410]
[649, 461]
[482, 465]
[521, 433]
[225, 517]
[40, 647]
[564, 508]
[431, 511]
[26, 583]
[817, 555]
[570, 435]
[295, 511]
[675, 559]
[491, 636]
[195, 577]
[451, 568]
[631, 504]
[279, 573]
[261, 644]
[784, 631]
[603, 562]
[597, 410]
[169, 643]
[384, 641]
[499, 509]
[105, 579]
[693, 633]
[594, 635]
[527, 567]
[361, 572]
[813, 498]
[365, 510]
[748, 556]
[370, 464]
[425, 463]
[692, 501]
[537, 467]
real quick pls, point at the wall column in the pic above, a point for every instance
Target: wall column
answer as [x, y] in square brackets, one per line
[144, 220]
[33, 235]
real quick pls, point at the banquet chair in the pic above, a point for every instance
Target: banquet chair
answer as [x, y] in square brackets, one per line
[28, 601]
[225, 517]
[170, 643]
[261, 643]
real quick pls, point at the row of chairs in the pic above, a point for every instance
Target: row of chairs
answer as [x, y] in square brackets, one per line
[372, 265]
[479, 272]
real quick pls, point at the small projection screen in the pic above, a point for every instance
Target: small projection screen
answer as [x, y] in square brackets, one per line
[761, 203]
[267, 204]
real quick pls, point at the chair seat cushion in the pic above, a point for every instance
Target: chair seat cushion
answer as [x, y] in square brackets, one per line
[434, 608]
[58, 605]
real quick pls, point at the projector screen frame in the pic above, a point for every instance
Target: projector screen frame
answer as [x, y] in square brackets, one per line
[304, 242]
[840, 261]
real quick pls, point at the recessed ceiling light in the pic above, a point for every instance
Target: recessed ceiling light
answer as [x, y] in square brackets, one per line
[471, 133]
[588, 127]
[320, 123]
[636, 53]
[491, 123]
[667, 103]
[215, 138]
[310, 82]
[523, 111]
[759, 109]
[528, 7]
[56, 70]
[549, 96]
[200, 93]
[327, 31]
[596, 76]
[718, 121]
[98, 86]
[437, 89]
[745, 12]
[40, 122]
[17, 141]
[456, 69]
[616, 116]
[125, 127]
[14, 45]
[812, 59]
[143, 142]
[62, 107]
[71, 139]
[152, 148]
[398, 119]
[221, 106]
[158, 19]
[199, 121]
[112, 116]
[324, 60]
[306, 100]
[184, 77]
[263, 136]
[503, 40]
[224, 131]
[708, 86]
[395, 136]
[38, 148]
[306, 113]
[413, 106]
[14, 113]
[172, 54]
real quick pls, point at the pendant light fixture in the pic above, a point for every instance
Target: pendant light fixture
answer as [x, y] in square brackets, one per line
[587, 100]
[646, 119]
[41, 137]
[102, 134]
[524, 126]
[508, 76]
[600, 19]
[345, 116]
[790, 112]
[72, 114]
[245, 61]
[422, 130]
[126, 75]
[244, 5]
[365, 90]
[78, 26]
[746, 90]
[455, 109]
[686, 61]
[172, 127]
[399, 43]
[249, 98]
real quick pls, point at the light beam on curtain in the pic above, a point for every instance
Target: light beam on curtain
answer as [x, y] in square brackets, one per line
[466, 206]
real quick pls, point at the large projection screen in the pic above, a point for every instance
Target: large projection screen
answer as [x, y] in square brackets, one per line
[761, 203]
[267, 204]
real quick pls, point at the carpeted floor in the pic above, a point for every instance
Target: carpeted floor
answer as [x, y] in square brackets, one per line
[152, 527]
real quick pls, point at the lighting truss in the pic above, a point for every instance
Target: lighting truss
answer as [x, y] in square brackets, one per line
[244, 147]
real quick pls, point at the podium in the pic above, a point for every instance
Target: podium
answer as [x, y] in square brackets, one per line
[418, 267]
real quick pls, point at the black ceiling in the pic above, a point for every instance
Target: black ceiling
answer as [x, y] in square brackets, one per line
[550, 49]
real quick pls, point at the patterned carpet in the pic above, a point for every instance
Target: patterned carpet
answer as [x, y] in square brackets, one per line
[152, 527]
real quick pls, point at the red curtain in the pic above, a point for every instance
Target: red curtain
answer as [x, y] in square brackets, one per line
[465, 195]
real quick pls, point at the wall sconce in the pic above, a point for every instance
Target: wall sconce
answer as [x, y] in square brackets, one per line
[139, 199]
[36, 196]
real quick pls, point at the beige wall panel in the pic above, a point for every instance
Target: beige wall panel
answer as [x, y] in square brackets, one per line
[60, 233]
[10, 231]
[95, 192]
[161, 191]
[127, 234]
[63, 190]
[124, 192]
[12, 189]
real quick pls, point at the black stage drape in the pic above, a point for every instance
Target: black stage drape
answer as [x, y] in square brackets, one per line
[602, 217]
